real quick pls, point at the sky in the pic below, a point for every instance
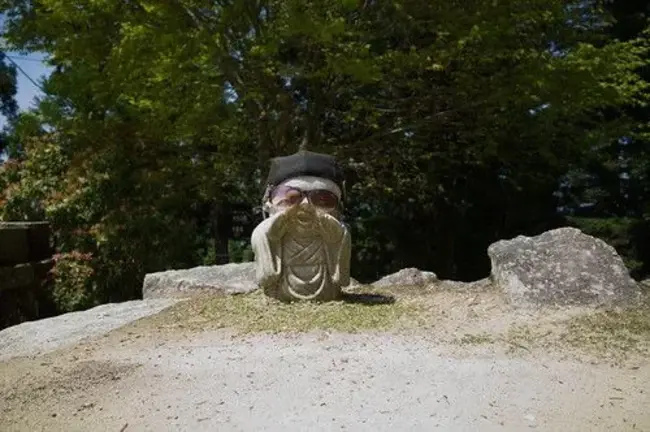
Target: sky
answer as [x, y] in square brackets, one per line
[34, 67]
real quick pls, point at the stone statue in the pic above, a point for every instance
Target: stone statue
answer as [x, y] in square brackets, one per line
[302, 250]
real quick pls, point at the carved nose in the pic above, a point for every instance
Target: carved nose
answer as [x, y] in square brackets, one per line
[305, 200]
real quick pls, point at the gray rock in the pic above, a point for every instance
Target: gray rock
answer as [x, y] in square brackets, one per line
[474, 286]
[354, 283]
[645, 285]
[233, 278]
[46, 335]
[408, 276]
[561, 267]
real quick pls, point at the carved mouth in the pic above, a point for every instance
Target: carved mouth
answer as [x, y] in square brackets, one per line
[305, 213]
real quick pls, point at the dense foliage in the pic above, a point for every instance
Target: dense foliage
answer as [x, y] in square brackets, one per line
[460, 123]
[608, 191]
[8, 104]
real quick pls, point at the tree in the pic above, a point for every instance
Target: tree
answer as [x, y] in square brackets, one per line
[456, 119]
[8, 105]
[608, 192]
[8, 90]
[489, 105]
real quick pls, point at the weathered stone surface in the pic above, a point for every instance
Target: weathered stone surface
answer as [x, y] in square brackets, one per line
[302, 253]
[474, 286]
[17, 276]
[233, 278]
[407, 276]
[303, 250]
[46, 335]
[561, 267]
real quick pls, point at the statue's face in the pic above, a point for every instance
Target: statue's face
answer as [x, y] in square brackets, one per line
[315, 193]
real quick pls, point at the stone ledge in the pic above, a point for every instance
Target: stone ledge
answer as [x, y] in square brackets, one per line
[233, 278]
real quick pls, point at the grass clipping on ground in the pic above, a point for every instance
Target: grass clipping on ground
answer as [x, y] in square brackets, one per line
[615, 333]
[254, 312]
[442, 313]
[618, 330]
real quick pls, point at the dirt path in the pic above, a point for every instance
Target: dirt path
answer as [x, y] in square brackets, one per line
[150, 376]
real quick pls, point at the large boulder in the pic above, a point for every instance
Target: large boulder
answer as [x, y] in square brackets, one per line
[233, 278]
[407, 277]
[561, 267]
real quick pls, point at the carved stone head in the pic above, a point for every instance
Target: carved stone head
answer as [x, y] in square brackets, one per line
[302, 249]
[304, 178]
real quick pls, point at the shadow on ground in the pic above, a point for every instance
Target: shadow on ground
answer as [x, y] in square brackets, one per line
[368, 299]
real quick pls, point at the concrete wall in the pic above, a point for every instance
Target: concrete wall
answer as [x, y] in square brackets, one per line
[25, 262]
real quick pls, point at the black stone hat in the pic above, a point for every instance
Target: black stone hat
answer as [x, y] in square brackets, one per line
[305, 163]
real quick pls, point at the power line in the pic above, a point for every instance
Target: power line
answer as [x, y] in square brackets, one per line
[26, 58]
[37, 85]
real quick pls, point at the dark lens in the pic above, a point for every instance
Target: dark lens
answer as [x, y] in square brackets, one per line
[293, 197]
[324, 199]
[279, 192]
[285, 195]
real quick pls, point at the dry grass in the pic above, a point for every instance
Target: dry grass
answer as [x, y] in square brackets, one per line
[618, 330]
[449, 315]
[611, 333]
[364, 310]
[476, 339]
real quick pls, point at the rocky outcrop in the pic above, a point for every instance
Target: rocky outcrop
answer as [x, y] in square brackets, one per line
[45, 335]
[233, 278]
[407, 277]
[459, 286]
[561, 267]
[227, 279]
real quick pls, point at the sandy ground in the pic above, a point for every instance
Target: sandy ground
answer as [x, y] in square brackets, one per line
[157, 378]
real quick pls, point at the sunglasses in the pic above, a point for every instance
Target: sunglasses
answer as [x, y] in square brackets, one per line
[289, 196]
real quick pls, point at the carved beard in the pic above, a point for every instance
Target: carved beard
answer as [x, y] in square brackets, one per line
[304, 219]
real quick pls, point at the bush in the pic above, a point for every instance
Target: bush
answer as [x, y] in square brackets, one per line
[72, 275]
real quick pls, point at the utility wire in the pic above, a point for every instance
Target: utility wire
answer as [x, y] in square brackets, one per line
[38, 86]
[25, 58]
